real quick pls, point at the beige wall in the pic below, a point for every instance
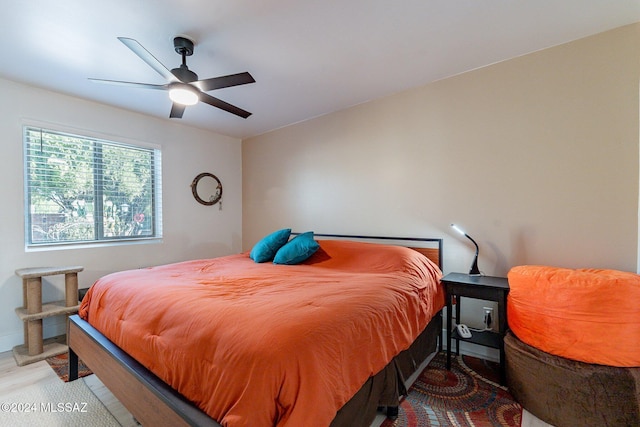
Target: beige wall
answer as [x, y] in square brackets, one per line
[191, 230]
[536, 157]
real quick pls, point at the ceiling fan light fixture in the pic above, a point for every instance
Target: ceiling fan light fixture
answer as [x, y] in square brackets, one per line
[183, 85]
[183, 95]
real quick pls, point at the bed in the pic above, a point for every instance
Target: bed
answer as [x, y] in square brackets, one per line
[325, 342]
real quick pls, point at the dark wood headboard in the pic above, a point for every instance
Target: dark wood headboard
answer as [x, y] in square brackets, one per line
[429, 247]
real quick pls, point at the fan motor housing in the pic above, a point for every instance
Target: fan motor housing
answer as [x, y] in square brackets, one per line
[184, 74]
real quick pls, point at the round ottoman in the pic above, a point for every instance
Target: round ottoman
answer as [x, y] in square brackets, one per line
[588, 315]
[568, 393]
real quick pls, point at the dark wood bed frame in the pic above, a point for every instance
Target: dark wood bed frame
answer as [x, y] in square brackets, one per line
[150, 400]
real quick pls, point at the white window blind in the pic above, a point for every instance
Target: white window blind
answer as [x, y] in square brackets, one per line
[80, 189]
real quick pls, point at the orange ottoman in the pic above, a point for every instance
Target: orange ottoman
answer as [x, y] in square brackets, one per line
[588, 315]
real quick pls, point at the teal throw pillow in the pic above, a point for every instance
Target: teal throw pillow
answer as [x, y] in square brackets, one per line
[297, 249]
[267, 247]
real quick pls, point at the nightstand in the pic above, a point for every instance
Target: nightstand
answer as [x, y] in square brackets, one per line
[487, 288]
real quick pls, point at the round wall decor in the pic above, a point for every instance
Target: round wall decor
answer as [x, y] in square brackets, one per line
[207, 189]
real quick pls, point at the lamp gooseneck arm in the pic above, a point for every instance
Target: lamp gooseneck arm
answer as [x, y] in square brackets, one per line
[474, 242]
[475, 271]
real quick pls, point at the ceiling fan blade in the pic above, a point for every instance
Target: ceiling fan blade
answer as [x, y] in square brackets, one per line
[177, 110]
[208, 99]
[147, 57]
[131, 84]
[224, 81]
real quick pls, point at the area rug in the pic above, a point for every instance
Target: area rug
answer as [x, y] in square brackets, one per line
[60, 365]
[53, 403]
[466, 396]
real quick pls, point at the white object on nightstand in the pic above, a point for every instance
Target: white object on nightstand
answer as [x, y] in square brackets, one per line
[463, 331]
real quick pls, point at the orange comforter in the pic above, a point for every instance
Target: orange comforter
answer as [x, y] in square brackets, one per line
[270, 345]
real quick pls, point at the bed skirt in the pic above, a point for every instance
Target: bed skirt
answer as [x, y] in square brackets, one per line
[387, 386]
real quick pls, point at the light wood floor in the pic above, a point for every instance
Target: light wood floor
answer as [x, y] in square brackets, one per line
[13, 377]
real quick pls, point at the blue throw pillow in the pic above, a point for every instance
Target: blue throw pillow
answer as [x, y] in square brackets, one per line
[267, 247]
[297, 249]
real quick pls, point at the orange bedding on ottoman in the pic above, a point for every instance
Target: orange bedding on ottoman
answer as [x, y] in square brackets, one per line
[270, 345]
[588, 315]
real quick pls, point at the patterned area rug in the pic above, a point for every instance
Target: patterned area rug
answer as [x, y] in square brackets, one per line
[60, 365]
[466, 396]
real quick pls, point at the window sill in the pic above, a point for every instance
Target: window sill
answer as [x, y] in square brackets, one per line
[98, 244]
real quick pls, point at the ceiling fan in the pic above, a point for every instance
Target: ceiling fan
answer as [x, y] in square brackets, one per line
[183, 84]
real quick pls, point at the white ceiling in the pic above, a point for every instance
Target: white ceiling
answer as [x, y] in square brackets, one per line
[309, 57]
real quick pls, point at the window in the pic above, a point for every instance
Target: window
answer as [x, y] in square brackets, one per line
[81, 190]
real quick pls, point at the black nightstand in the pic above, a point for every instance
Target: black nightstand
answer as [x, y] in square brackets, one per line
[480, 287]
